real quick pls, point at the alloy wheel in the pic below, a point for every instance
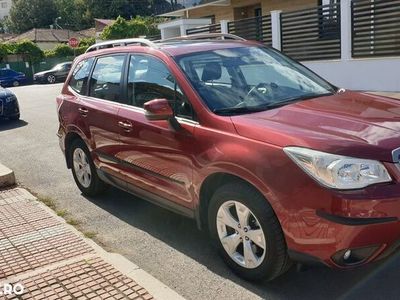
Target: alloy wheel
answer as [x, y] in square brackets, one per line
[240, 234]
[51, 79]
[82, 167]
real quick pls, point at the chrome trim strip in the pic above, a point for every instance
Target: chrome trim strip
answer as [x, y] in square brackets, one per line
[130, 107]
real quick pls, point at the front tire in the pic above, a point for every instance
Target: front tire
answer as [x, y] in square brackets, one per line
[16, 83]
[51, 79]
[84, 170]
[247, 233]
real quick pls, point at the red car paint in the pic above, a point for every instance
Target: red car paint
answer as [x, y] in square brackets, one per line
[250, 147]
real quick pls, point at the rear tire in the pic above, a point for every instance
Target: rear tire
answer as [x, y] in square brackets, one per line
[250, 218]
[84, 170]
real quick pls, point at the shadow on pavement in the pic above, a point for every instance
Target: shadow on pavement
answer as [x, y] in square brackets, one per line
[9, 124]
[182, 234]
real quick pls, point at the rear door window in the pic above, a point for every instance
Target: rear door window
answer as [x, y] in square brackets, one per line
[80, 76]
[105, 82]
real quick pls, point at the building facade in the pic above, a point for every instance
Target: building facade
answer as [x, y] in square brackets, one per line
[235, 9]
[353, 43]
[5, 6]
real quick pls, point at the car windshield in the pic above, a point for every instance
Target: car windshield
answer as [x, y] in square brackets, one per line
[60, 66]
[250, 79]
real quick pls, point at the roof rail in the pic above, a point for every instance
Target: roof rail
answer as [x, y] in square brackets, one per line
[206, 36]
[120, 43]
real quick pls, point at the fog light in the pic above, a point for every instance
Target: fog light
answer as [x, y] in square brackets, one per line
[354, 256]
[347, 255]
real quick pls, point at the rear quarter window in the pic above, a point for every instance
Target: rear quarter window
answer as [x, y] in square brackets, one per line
[80, 76]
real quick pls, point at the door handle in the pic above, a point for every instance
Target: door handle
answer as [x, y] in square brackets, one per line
[127, 126]
[83, 111]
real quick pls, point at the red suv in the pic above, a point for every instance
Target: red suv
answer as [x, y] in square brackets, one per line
[276, 163]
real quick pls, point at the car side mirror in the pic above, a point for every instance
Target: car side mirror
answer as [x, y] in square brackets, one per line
[158, 109]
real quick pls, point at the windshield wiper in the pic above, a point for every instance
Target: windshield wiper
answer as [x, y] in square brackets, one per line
[295, 99]
[253, 109]
[237, 110]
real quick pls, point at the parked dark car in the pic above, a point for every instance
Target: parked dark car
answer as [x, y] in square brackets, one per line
[9, 108]
[57, 73]
[10, 77]
[278, 164]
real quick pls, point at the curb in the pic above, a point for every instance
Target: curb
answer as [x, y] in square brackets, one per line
[7, 177]
[155, 287]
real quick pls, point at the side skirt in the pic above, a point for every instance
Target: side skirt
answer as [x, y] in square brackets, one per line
[150, 197]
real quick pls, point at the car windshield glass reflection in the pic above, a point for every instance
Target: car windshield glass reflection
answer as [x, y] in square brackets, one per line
[242, 80]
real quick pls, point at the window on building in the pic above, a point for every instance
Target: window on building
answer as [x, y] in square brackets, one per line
[4, 5]
[329, 24]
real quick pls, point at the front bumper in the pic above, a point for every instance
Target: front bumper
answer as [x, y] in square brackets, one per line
[349, 231]
[322, 224]
[9, 108]
[38, 79]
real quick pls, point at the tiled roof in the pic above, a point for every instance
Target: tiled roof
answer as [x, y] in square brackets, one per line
[49, 35]
[91, 32]
[5, 37]
[106, 22]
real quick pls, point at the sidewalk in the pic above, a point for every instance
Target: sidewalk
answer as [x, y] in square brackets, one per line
[51, 260]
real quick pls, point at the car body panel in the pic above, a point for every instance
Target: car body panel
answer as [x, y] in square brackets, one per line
[9, 106]
[355, 124]
[8, 77]
[157, 159]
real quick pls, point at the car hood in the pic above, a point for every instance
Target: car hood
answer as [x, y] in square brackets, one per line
[5, 93]
[349, 123]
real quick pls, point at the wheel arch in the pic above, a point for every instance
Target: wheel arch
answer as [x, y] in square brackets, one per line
[69, 139]
[210, 185]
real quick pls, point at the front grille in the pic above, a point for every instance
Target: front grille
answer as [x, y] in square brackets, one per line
[10, 108]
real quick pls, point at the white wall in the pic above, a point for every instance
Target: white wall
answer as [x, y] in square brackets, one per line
[170, 32]
[370, 74]
[5, 6]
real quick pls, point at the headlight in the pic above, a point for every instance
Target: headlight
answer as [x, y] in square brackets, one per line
[336, 171]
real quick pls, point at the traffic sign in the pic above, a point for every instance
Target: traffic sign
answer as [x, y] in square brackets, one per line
[73, 42]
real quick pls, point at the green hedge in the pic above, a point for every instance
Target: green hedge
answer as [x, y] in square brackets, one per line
[32, 53]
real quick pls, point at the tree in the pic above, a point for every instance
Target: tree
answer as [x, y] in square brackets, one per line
[28, 14]
[72, 14]
[61, 50]
[87, 42]
[2, 26]
[136, 27]
[29, 50]
[3, 51]
[111, 9]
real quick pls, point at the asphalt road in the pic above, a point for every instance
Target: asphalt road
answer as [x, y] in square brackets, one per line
[164, 244]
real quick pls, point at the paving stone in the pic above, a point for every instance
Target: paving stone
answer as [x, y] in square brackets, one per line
[39, 285]
[32, 238]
